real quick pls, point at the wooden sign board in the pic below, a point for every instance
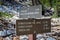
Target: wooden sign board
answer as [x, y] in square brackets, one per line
[31, 26]
[24, 27]
[46, 24]
[31, 12]
[42, 25]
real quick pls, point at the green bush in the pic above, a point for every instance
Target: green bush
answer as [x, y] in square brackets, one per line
[5, 15]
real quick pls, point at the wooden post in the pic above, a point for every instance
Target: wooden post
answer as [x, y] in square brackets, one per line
[16, 38]
[30, 36]
[1, 38]
[34, 36]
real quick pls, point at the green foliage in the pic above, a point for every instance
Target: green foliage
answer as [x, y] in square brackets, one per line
[56, 6]
[1, 3]
[45, 3]
[51, 3]
[55, 15]
[5, 15]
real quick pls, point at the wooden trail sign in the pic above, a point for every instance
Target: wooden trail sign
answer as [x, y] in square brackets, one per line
[31, 26]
